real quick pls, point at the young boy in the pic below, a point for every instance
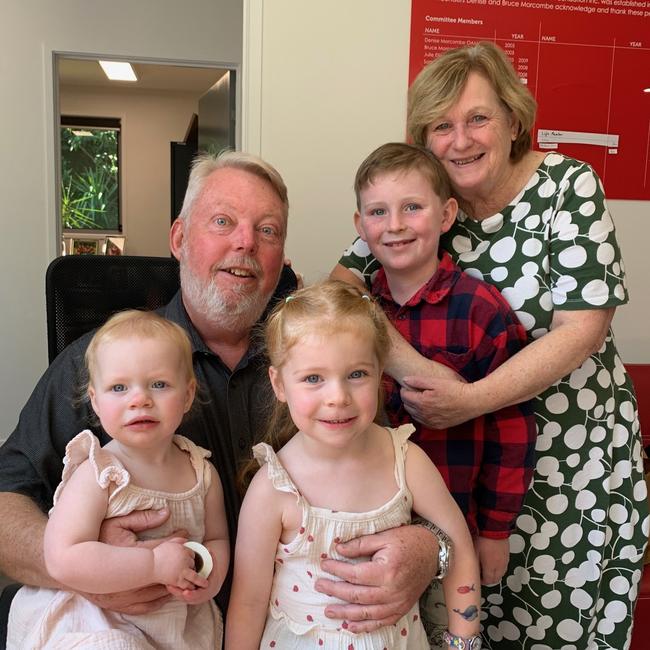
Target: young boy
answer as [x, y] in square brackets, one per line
[404, 204]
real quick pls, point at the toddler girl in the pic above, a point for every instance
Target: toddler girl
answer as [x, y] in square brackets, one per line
[336, 476]
[141, 383]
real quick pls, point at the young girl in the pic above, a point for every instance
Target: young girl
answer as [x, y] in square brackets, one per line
[336, 475]
[141, 383]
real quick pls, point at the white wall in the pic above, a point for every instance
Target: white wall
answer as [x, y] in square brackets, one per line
[150, 120]
[632, 321]
[208, 31]
[334, 83]
[333, 86]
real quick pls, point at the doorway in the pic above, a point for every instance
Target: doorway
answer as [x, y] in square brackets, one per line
[171, 108]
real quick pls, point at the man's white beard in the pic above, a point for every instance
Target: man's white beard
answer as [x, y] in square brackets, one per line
[234, 309]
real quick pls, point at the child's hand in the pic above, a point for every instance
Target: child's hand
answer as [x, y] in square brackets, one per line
[174, 565]
[493, 555]
[203, 590]
[192, 596]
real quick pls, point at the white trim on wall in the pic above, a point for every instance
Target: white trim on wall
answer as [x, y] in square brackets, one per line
[251, 82]
[52, 151]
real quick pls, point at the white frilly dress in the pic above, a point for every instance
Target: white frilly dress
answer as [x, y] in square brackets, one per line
[53, 619]
[296, 617]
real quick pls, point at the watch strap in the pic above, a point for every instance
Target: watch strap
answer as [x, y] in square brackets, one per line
[444, 545]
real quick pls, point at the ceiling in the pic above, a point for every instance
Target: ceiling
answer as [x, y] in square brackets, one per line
[86, 72]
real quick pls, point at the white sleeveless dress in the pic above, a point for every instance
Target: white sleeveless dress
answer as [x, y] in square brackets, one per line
[62, 620]
[296, 617]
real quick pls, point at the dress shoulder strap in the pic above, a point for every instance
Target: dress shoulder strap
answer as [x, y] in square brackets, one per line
[108, 469]
[400, 437]
[198, 458]
[264, 453]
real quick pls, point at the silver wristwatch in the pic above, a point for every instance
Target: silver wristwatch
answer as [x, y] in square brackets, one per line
[453, 641]
[444, 545]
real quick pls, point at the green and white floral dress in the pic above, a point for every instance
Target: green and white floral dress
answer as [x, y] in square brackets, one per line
[575, 557]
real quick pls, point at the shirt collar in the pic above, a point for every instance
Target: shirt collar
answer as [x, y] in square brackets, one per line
[176, 312]
[433, 291]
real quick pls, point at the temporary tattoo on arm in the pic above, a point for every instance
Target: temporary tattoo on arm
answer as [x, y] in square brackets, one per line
[465, 589]
[469, 614]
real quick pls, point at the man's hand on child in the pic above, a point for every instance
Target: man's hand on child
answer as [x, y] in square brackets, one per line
[493, 555]
[383, 589]
[121, 531]
[133, 602]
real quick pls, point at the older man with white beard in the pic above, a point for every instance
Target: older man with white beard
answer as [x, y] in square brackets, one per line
[229, 239]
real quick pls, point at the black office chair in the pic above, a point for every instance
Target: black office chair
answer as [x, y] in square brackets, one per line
[82, 291]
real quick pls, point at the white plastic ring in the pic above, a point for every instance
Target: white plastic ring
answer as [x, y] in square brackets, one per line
[202, 558]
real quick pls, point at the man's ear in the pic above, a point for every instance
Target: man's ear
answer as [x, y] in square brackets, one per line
[358, 224]
[176, 235]
[449, 212]
[276, 383]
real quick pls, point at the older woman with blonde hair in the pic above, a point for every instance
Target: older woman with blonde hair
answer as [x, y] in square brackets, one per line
[536, 225]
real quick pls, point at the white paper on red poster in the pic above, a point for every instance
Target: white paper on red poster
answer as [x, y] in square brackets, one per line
[587, 63]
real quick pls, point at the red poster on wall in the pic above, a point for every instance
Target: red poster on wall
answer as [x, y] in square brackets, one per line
[586, 62]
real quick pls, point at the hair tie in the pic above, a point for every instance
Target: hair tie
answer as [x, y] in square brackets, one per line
[288, 298]
[365, 296]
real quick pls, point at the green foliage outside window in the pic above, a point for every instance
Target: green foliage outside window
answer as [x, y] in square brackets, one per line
[89, 179]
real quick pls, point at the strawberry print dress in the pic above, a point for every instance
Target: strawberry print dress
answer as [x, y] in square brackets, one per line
[61, 620]
[296, 617]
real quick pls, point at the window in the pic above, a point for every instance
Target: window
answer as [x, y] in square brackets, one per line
[90, 173]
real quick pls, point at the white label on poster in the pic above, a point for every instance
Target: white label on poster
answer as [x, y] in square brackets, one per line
[577, 137]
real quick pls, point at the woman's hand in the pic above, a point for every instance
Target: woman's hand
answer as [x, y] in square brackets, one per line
[437, 402]
[381, 590]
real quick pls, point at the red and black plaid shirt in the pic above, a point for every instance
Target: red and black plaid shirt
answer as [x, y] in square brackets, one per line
[466, 324]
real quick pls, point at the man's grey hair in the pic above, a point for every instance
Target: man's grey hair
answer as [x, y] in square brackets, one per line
[206, 163]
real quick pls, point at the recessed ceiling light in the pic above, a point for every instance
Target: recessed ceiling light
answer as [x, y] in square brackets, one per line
[118, 70]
